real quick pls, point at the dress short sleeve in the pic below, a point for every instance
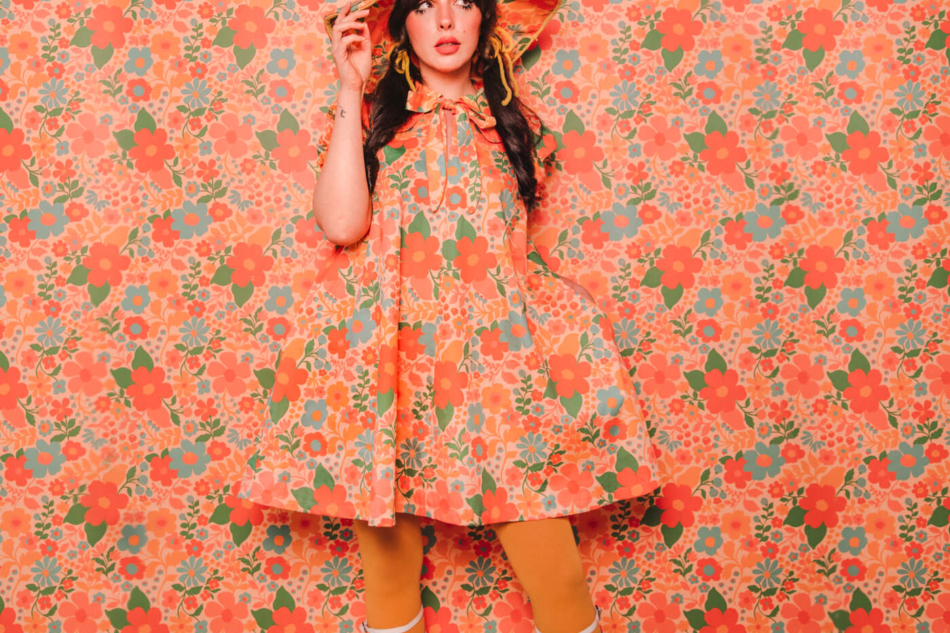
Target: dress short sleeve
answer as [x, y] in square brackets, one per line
[323, 139]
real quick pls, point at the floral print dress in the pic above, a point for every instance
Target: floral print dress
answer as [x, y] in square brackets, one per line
[451, 373]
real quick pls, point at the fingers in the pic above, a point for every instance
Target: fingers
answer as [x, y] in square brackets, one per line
[348, 21]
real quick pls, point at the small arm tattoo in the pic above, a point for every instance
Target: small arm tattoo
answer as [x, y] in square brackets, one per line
[342, 113]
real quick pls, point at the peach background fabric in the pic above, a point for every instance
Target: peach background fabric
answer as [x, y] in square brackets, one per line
[755, 193]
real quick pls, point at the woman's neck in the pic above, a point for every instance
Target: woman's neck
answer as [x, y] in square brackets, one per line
[450, 86]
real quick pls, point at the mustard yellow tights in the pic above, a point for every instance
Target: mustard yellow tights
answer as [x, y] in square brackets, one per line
[542, 553]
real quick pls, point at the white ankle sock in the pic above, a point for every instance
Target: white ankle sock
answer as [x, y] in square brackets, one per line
[591, 627]
[395, 629]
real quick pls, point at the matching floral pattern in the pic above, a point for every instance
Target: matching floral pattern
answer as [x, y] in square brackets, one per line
[753, 193]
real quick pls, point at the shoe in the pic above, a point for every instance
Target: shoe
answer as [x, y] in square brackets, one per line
[395, 629]
[589, 629]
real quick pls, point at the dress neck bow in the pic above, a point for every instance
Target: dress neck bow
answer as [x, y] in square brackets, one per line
[450, 148]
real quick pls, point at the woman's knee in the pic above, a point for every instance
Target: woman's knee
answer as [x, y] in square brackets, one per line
[390, 552]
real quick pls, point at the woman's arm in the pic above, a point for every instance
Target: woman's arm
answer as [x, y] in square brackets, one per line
[341, 204]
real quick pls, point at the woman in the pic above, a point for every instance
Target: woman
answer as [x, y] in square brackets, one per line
[434, 295]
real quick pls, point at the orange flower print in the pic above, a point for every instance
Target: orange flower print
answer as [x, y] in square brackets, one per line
[722, 153]
[11, 389]
[151, 150]
[821, 505]
[473, 259]
[804, 616]
[13, 149]
[388, 361]
[103, 502]
[497, 506]
[293, 150]
[802, 377]
[287, 380]
[228, 375]
[821, 266]
[148, 388]
[580, 152]
[251, 26]
[141, 622]
[569, 374]
[332, 502]
[105, 263]
[722, 390]
[420, 255]
[819, 28]
[249, 264]
[658, 614]
[109, 26]
[864, 152]
[678, 266]
[678, 28]
[84, 374]
[865, 391]
[636, 482]
[678, 505]
[448, 388]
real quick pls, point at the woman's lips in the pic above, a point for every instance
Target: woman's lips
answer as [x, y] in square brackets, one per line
[447, 49]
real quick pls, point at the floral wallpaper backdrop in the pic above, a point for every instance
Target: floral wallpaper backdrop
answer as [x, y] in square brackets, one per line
[755, 193]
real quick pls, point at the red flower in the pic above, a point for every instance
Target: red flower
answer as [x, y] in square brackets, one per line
[286, 621]
[474, 258]
[722, 622]
[821, 267]
[736, 235]
[11, 389]
[160, 471]
[864, 152]
[251, 26]
[19, 231]
[249, 264]
[570, 375]
[580, 152]
[866, 391]
[293, 150]
[162, 232]
[287, 380]
[722, 153]
[678, 266]
[678, 28]
[497, 507]
[864, 622]
[709, 569]
[141, 622]
[878, 235]
[108, 26]
[15, 472]
[103, 502]
[151, 150]
[148, 388]
[722, 390]
[819, 29]
[821, 505]
[678, 505]
[105, 263]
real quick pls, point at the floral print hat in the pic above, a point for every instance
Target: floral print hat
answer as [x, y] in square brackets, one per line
[518, 25]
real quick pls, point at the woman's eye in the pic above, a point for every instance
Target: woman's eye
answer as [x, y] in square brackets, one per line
[466, 4]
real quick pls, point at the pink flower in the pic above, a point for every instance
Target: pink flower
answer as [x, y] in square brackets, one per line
[229, 375]
[802, 377]
[87, 135]
[84, 374]
[658, 614]
[226, 615]
[572, 485]
[801, 616]
[659, 376]
[230, 137]
[938, 374]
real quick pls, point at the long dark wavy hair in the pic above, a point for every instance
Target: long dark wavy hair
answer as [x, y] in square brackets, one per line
[389, 97]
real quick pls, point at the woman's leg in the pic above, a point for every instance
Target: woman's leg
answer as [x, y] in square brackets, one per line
[546, 560]
[392, 564]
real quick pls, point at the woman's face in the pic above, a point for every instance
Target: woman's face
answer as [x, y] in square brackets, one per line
[435, 20]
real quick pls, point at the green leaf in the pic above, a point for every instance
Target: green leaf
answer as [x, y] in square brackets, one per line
[793, 41]
[715, 600]
[860, 601]
[841, 619]
[696, 141]
[287, 121]
[79, 276]
[76, 514]
[814, 295]
[859, 361]
[222, 276]
[239, 533]
[265, 617]
[4, 362]
[221, 515]
[573, 404]
[815, 535]
[82, 37]
[304, 497]
[241, 294]
[856, 123]
[119, 618]
[796, 278]
[608, 481]
[671, 534]
[126, 139]
[392, 154]
[652, 41]
[625, 459]
[838, 141]
[278, 409]
[137, 598]
[101, 56]
[696, 379]
[488, 482]
[243, 56]
[144, 121]
[444, 415]
[939, 278]
[715, 123]
[839, 379]
[94, 533]
[142, 359]
[265, 377]
[696, 619]
[813, 58]
[652, 278]
[940, 517]
[224, 38]
[268, 139]
[716, 361]
[322, 477]
[671, 59]
[671, 295]
[98, 294]
[284, 599]
[796, 517]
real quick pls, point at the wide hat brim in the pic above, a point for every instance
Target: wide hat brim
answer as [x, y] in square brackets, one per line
[519, 22]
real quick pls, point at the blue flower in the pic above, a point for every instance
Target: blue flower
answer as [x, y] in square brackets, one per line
[191, 219]
[708, 64]
[514, 331]
[140, 60]
[850, 64]
[621, 221]
[609, 400]
[46, 572]
[196, 461]
[192, 572]
[314, 414]
[50, 463]
[907, 222]
[53, 93]
[901, 466]
[764, 461]
[134, 538]
[481, 573]
[708, 301]
[566, 64]
[764, 222]
[364, 332]
[852, 301]
[623, 573]
[278, 538]
[532, 448]
[476, 417]
[910, 95]
[194, 331]
[767, 573]
[281, 62]
[912, 573]
[623, 95]
[136, 299]
[853, 540]
[768, 334]
[281, 298]
[708, 540]
[50, 331]
[196, 93]
[49, 219]
[911, 334]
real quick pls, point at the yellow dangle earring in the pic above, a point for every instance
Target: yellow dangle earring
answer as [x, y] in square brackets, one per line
[501, 51]
[402, 66]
